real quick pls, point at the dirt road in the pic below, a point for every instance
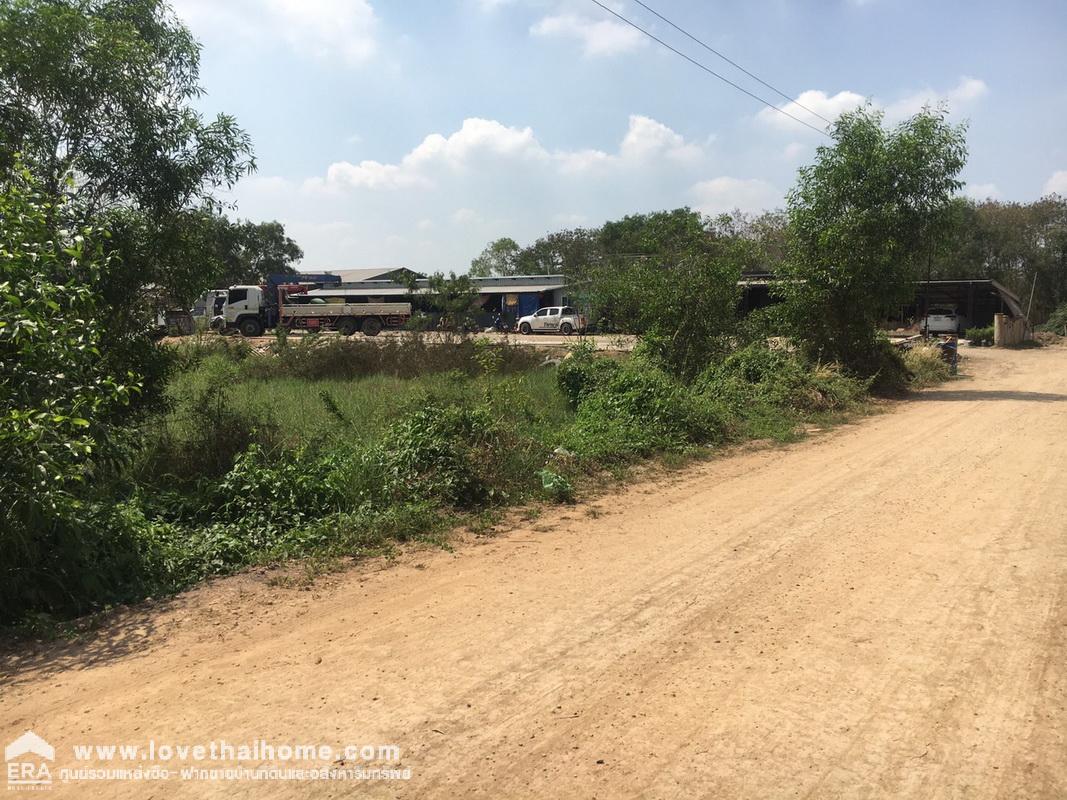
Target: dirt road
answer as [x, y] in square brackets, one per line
[880, 611]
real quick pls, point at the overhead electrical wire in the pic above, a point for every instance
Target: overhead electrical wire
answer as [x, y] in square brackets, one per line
[733, 63]
[708, 69]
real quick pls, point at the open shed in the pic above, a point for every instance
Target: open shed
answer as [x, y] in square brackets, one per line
[976, 299]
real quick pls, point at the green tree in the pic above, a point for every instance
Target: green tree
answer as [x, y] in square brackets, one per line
[768, 230]
[58, 404]
[565, 252]
[500, 257]
[661, 234]
[673, 283]
[96, 96]
[455, 298]
[862, 222]
[251, 251]
[100, 90]
[1022, 245]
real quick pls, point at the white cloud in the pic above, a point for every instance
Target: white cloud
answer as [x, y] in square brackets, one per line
[794, 150]
[829, 106]
[344, 30]
[982, 191]
[436, 206]
[476, 138]
[480, 143]
[958, 98]
[648, 138]
[364, 175]
[721, 195]
[603, 37]
[1057, 183]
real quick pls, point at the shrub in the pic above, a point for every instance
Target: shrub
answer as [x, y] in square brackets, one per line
[583, 372]
[1057, 321]
[206, 427]
[639, 410]
[925, 365]
[979, 336]
[411, 354]
[889, 374]
[556, 486]
[60, 402]
[437, 453]
[763, 324]
[757, 375]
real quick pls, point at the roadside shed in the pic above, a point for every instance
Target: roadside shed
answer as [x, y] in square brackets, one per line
[976, 299]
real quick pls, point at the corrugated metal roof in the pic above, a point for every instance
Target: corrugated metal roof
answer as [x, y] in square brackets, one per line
[391, 290]
[519, 288]
[365, 274]
[510, 285]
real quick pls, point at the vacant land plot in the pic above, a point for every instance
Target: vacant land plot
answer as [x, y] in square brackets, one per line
[881, 612]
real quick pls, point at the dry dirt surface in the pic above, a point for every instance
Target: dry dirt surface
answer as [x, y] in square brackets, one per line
[878, 611]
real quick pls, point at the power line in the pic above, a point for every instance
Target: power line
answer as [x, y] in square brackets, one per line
[708, 69]
[733, 63]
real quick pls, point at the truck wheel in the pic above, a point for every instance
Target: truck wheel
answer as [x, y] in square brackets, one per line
[347, 326]
[525, 329]
[372, 326]
[566, 329]
[250, 326]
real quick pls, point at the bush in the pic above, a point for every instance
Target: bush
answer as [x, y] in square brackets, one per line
[582, 372]
[314, 357]
[60, 401]
[758, 375]
[556, 486]
[445, 454]
[1057, 321]
[639, 410]
[889, 374]
[206, 427]
[925, 365]
[979, 336]
[763, 324]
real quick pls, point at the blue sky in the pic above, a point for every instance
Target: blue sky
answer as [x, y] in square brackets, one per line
[412, 133]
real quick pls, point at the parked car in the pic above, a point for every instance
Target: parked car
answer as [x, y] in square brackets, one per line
[554, 319]
[944, 320]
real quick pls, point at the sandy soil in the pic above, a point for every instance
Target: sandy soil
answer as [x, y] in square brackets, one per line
[876, 612]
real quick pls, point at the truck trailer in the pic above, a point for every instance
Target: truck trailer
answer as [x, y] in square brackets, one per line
[251, 310]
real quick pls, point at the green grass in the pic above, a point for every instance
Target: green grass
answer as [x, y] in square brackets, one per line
[367, 405]
[248, 467]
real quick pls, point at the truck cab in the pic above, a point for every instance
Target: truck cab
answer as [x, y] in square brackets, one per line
[245, 310]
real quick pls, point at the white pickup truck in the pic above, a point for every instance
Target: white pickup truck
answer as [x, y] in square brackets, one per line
[553, 319]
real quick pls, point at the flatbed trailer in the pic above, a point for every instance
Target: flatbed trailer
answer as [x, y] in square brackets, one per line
[345, 318]
[253, 309]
